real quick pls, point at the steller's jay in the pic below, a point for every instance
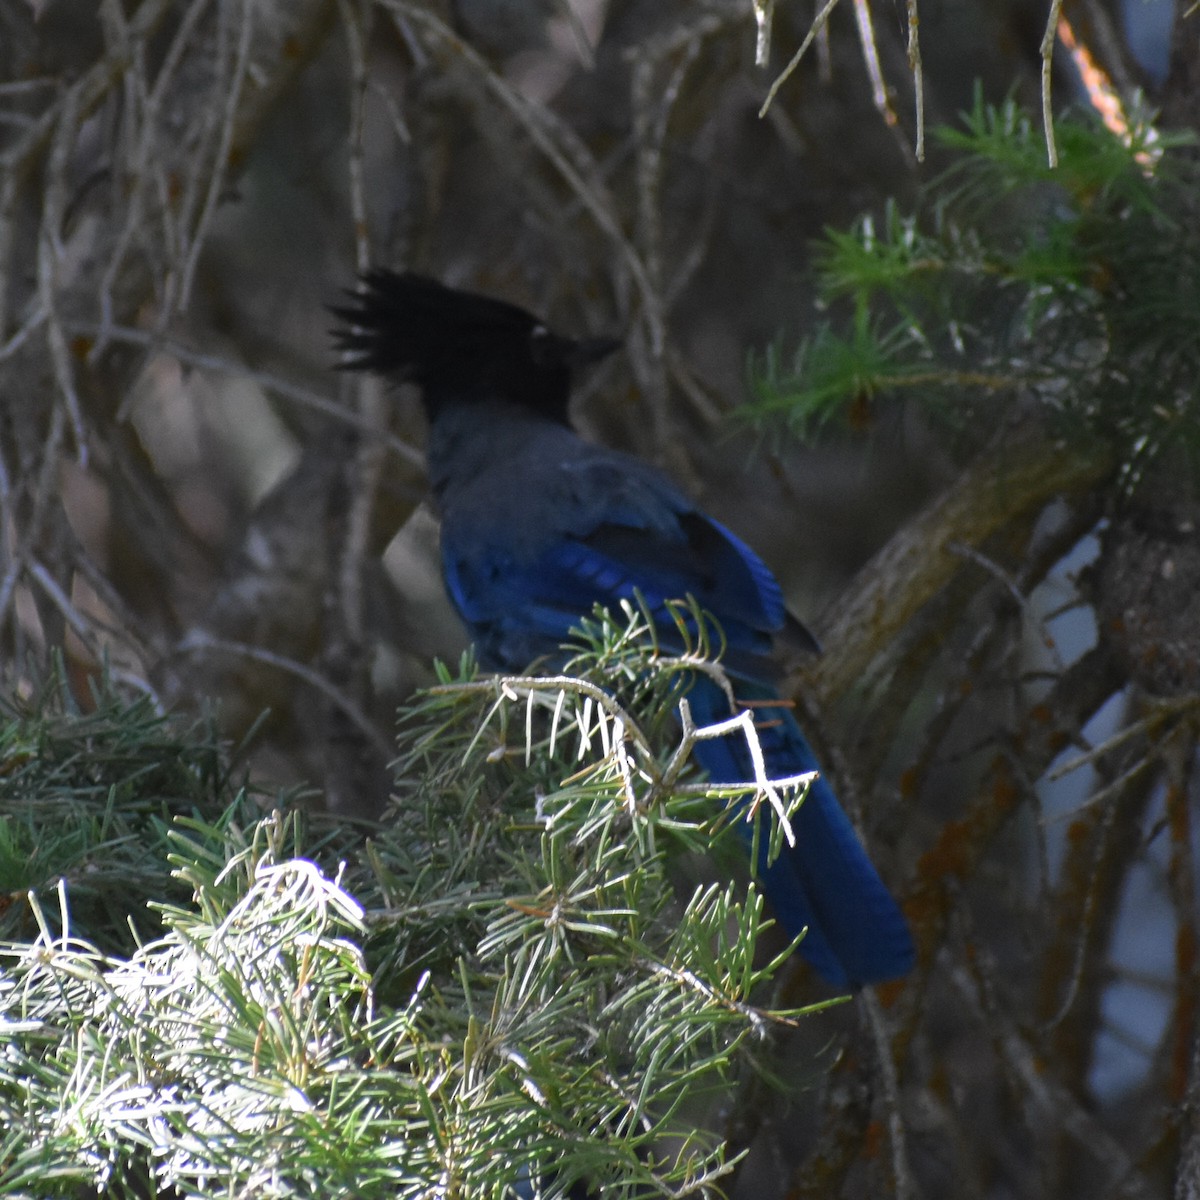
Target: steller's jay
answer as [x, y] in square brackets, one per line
[539, 525]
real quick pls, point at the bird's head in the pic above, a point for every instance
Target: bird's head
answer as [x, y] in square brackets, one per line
[460, 345]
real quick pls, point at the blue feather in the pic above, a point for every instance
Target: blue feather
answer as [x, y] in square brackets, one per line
[520, 608]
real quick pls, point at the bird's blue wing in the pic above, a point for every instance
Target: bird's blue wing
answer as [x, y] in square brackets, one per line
[606, 539]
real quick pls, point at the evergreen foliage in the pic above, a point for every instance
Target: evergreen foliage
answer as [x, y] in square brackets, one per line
[497, 995]
[1072, 291]
[87, 794]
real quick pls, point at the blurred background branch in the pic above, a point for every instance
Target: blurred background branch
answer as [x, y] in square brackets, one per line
[959, 427]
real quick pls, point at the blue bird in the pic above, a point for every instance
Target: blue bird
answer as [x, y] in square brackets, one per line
[539, 525]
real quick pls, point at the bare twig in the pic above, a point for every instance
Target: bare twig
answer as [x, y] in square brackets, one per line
[543, 129]
[918, 74]
[267, 380]
[818, 23]
[652, 104]
[866, 38]
[228, 84]
[198, 641]
[1047, 53]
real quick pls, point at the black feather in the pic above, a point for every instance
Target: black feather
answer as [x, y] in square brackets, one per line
[458, 344]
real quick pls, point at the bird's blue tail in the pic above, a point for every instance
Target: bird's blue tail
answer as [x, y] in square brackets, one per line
[825, 883]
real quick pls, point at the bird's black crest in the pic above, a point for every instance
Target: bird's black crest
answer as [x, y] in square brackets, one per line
[455, 343]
